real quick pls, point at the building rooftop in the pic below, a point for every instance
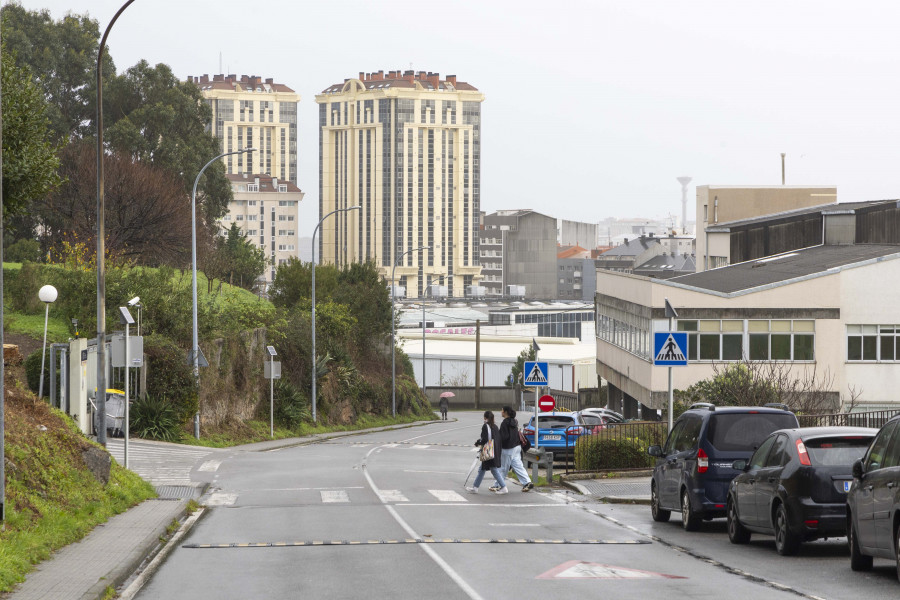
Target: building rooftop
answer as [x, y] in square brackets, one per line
[572, 252]
[830, 208]
[266, 183]
[406, 80]
[668, 262]
[246, 83]
[630, 248]
[784, 268]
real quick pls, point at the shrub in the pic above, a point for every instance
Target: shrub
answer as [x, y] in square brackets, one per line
[155, 418]
[600, 453]
[33, 372]
[291, 404]
[170, 376]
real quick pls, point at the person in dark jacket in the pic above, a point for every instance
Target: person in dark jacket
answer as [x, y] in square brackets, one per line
[489, 431]
[511, 456]
[444, 405]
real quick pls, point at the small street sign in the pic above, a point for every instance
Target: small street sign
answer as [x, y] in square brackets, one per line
[201, 360]
[546, 403]
[670, 349]
[272, 369]
[536, 373]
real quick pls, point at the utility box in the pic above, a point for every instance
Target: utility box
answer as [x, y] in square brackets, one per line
[438, 291]
[515, 291]
[398, 291]
[135, 350]
[476, 291]
[78, 385]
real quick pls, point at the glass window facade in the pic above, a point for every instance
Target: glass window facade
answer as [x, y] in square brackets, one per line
[873, 343]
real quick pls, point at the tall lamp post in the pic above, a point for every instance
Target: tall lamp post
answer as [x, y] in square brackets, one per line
[315, 231]
[195, 352]
[101, 241]
[394, 332]
[48, 295]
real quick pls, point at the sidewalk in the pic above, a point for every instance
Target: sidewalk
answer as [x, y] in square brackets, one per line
[113, 551]
[618, 490]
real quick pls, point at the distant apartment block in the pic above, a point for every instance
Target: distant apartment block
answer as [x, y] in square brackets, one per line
[519, 249]
[577, 274]
[405, 146]
[267, 211]
[253, 113]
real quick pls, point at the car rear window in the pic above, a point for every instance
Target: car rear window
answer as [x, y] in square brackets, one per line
[592, 420]
[745, 431]
[837, 451]
[554, 422]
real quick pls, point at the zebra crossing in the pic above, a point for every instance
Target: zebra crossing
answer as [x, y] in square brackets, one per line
[338, 496]
[164, 464]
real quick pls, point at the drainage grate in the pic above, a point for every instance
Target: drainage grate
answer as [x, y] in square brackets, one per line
[175, 492]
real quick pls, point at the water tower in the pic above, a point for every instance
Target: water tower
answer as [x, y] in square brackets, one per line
[684, 181]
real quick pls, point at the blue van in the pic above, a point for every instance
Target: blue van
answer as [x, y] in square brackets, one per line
[694, 468]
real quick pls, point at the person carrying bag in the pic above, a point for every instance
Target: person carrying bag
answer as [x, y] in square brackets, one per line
[512, 448]
[490, 457]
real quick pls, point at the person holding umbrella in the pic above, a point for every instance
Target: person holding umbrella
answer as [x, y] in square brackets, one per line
[444, 404]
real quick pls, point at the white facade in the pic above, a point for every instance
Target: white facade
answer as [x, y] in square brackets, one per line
[851, 300]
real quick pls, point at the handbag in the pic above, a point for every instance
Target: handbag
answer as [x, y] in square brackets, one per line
[523, 441]
[487, 449]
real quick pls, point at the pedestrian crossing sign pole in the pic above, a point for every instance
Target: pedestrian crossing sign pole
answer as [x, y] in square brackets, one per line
[536, 376]
[670, 350]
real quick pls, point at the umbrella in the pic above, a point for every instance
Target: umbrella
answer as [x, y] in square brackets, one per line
[448, 395]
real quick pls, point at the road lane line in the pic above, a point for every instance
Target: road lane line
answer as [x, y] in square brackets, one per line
[514, 524]
[334, 496]
[456, 577]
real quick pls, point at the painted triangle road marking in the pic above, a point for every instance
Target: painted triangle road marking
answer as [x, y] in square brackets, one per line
[670, 351]
[536, 375]
[577, 569]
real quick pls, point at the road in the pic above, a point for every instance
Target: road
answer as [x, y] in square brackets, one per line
[385, 515]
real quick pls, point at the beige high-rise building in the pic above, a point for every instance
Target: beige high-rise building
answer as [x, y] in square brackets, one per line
[254, 113]
[406, 148]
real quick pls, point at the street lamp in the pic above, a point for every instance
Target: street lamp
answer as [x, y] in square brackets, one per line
[315, 231]
[126, 319]
[394, 332]
[101, 241]
[195, 353]
[48, 295]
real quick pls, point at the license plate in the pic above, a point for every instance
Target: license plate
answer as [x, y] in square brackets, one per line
[847, 486]
[554, 438]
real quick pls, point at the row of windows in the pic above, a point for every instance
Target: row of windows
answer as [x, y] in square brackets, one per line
[755, 339]
[873, 343]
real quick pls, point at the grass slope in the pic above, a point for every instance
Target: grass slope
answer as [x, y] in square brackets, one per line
[51, 498]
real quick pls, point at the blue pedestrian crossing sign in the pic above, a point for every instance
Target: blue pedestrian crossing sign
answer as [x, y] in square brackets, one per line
[670, 349]
[536, 373]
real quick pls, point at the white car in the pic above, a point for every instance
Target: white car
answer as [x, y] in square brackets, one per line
[611, 416]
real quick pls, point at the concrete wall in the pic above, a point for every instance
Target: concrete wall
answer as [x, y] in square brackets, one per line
[530, 256]
[575, 233]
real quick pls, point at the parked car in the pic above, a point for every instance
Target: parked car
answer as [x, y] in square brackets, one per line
[694, 467]
[592, 423]
[873, 502]
[611, 416]
[795, 486]
[558, 431]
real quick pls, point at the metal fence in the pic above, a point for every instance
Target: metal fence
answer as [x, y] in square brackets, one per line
[624, 446]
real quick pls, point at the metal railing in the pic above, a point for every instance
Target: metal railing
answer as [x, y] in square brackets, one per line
[861, 419]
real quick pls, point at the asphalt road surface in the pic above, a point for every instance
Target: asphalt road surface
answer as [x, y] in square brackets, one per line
[385, 515]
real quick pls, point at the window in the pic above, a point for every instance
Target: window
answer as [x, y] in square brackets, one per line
[252, 217]
[758, 459]
[282, 188]
[875, 457]
[875, 343]
[251, 202]
[252, 187]
[239, 217]
[287, 203]
[778, 457]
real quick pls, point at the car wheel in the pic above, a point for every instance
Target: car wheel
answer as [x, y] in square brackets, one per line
[689, 520]
[786, 541]
[660, 515]
[858, 560]
[737, 533]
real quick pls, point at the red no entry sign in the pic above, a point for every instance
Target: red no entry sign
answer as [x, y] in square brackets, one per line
[546, 403]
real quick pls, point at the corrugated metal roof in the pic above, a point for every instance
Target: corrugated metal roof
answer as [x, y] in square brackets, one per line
[799, 212]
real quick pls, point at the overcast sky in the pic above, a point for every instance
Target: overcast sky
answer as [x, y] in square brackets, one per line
[592, 109]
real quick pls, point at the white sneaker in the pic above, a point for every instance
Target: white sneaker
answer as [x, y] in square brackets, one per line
[472, 490]
[503, 490]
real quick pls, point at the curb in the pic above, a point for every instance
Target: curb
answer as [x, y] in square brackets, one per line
[576, 487]
[138, 582]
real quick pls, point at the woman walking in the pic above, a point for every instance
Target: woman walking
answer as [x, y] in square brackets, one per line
[489, 433]
[511, 456]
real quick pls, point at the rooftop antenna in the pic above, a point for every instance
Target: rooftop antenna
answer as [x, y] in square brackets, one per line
[684, 181]
[782, 168]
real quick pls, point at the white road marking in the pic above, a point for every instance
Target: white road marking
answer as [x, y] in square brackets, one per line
[360, 445]
[502, 505]
[392, 496]
[447, 496]
[334, 496]
[438, 472]
[210, 466]
[221, 499]
[420, 447]
[514, 524]
[389, 445]
[456, 577]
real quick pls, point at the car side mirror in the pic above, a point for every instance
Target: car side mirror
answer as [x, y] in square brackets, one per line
[739, 465]
[655, 451]
[858, 470]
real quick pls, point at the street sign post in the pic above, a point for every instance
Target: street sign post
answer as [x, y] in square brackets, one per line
[536, 376]
[546, 403]
[670, 349]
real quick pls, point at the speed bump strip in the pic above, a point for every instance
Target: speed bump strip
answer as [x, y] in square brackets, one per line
[410, 541]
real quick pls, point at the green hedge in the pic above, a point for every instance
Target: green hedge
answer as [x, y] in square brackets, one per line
[621, 447]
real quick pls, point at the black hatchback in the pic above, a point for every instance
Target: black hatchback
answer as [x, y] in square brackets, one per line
[873, 503]
[795, 486]
[694, 467]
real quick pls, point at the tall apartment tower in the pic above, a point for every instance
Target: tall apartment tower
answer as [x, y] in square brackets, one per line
[254, 113]
[406, 148]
